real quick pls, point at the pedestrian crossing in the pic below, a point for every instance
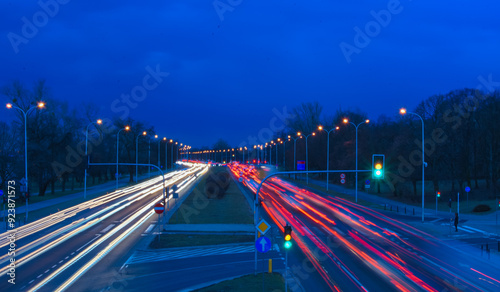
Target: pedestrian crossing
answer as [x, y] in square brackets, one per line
[174, 254]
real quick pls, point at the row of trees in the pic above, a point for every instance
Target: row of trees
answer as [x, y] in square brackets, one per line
[56, 141]
[462, 143]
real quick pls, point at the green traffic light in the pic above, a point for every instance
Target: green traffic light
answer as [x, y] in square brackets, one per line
[288, 244]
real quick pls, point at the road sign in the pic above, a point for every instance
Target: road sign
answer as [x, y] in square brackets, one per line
[342, 175]
[467, 189]
[263, 226]
[174, 188]
[301, 165]
[1, 192]
[342, 181]
[175, 195]
[22, 181]
[240, 179]
[367, 182]
[159, 208]
[263, 244]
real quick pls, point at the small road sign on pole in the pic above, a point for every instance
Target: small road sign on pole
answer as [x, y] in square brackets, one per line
[263, 226]
[263, 244]
[342, 175]
[159, 208]
[1, 193]
[342, 181]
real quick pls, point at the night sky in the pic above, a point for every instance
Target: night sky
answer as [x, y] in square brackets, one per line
[231, 62]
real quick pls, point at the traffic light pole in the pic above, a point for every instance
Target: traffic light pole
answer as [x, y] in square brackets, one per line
[256, 198]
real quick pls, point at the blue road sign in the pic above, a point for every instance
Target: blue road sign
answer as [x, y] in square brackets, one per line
[301, 165]
[1, 193]
[467, 189]
[263, 244]
[367, 182]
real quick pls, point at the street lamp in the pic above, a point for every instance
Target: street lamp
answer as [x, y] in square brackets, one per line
[171, 152]
[40, 105]
[98, 122]
[356, 126]
[403, 111]
[327, 152]
[307, 163]
[137, 152]
[117, 151]
[294, 150]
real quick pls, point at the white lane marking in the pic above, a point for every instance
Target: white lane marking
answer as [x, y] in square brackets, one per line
[72, 253]
[149, 228]
[39, 276]
[436, 220]
[60, 261]
[31, 281]
[53, 266]
[107, 228]
[466, 230]
[468, 227]
[96, 237]
[66, 257]
[46, 272]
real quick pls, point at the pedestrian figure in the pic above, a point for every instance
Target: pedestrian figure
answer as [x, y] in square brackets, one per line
[456, 222]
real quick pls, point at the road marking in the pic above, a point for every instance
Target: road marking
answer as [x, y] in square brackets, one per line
[466, 230]
[66, 257]
[53, 266]
[107, 228]
[468, 227]
[97, 236]
[438, 219]
[22, 288]
[46, 272]
[31, 281]
[149, 228]
[60, 261]
[39, 276]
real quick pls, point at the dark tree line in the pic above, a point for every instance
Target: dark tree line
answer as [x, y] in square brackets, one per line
[56, 142]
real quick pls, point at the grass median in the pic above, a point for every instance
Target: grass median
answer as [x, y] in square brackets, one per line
[232, 208]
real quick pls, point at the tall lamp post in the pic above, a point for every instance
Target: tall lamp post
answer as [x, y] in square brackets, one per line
[356, 126]
[117, 151]
[294, 150]
[172, 153]
[403, 111]
[137, 152]
[86, 155]
[40, 105]
[307, 155]
[327, 151]
[284, 153]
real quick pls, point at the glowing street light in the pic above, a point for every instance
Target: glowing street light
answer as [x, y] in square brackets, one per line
[327, 152]
[98, 122]
[356, 126]
[117, 151]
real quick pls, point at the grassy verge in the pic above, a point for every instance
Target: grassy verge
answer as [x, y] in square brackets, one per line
[183, 240]
[233, 208]
[272, 282]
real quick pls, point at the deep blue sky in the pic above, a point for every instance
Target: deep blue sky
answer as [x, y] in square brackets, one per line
[226, 76]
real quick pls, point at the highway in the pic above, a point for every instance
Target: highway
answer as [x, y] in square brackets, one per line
[354, 248]
[54, 252]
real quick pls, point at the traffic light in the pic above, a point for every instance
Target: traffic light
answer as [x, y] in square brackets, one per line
[438, 194]
[288, 237]
[498, 203]
[378, 164]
